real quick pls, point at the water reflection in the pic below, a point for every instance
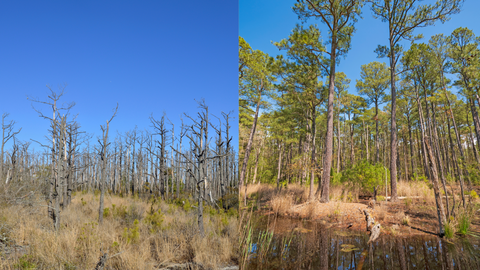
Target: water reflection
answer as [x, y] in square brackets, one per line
[298, 244]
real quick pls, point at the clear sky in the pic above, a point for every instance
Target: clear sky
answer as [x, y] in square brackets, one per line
[262, 22]
[149, 56]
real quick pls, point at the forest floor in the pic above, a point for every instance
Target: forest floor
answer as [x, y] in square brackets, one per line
[414, 214]
[135, 233]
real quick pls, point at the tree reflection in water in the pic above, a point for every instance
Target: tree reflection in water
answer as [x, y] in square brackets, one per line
[314, 246]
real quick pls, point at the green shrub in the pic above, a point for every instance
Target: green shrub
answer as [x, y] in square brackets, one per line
[154, 219]
[119, 212]
[224, 220]
[421, 178]
[449, 230]
[186, 206]
[131, 235]
[336, 179]
[106, 212]
[83, 201]
[232, 212]
[365, 176]
[210, 210]
[450, 178]
[87, 238]
[464, 222]
[25, 263]
[380, 198]
[350, 197]
[171, 208]
[473, 195]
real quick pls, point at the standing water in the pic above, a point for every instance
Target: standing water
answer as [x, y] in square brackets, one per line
[284, 243]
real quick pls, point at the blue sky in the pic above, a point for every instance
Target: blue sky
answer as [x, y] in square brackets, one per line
[149, 56]
[262, 22]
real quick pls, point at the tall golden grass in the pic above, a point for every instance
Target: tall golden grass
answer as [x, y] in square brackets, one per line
[281, 201]
[136, 245]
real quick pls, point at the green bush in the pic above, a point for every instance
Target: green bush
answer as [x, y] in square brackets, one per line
[464, 222]
[87, 237]
[119, 212]
[449, 230]
[210, 210]
[474, 174]
[186, 206]
[131, 235]
[232, 212]
[421, 178]
[473, 195]
[154, 219]
[224, 220]
[336, 179]
[365, 176]
[106, 212]
[25, 263]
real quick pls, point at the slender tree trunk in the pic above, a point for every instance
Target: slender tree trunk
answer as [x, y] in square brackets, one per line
[412, 160]
[454, 158]
[327, 156]
[279, 164]
[257, 157]
[439, 159]
[248, 149]
[431, 163]
[338, 138]
[314, 156]
[393, 125]
[377, 153]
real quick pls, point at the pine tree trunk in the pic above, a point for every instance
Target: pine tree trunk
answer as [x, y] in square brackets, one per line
[327, 156]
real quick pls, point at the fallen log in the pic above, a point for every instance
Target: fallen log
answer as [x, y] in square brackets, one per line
[372, 227]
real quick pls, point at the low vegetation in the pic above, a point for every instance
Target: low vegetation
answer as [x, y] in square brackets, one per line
[136, 234]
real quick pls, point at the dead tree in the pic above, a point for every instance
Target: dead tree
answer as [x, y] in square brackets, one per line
[160, 130]
[53, 198]
[104, 158]
[8, 132]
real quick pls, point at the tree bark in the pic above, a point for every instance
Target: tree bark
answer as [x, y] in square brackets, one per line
[327, 156]
[248, 149]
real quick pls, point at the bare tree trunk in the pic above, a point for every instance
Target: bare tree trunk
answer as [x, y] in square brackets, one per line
[104, 158]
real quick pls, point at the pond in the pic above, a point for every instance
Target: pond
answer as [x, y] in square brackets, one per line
[283, 243]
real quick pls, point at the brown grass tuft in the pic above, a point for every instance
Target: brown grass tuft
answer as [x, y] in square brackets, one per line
[281, 203]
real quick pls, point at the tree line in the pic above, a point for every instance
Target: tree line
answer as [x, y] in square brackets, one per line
[195, 161]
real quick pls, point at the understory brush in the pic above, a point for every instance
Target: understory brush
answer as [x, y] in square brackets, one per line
[136, 234]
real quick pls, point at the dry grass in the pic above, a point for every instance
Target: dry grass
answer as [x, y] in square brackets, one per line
[77, 245]
[416, 190]
[266, 192]
[281, 203]
[381, 211]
